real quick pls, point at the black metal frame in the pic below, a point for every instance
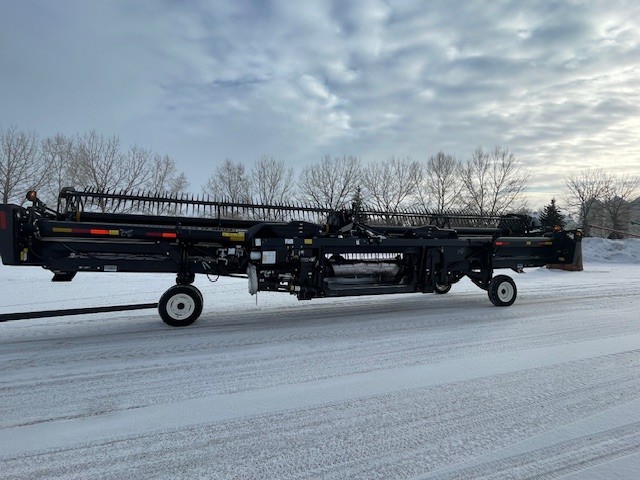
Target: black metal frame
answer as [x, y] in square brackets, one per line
[342, 257]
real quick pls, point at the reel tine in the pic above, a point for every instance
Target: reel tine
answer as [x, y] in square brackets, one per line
[179, 203]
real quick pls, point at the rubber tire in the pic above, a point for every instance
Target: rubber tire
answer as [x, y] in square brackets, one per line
[502, 291]
[180, 306]
[442, 289]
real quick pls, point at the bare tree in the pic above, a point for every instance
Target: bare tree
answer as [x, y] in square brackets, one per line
[442, 183]
[179, 183]
[21, 165]
[272, 184]
[88, 160]
[164, 179]
[271, 180]
[616, 200]
[98, 162]
[164, 176]
[229, 182]
[138, 164]
[330, 183]
[389, 185]
[493, 182]
[585, 190]
[57, 152]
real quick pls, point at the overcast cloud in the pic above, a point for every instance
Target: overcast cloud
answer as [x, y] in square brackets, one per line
[556, 82]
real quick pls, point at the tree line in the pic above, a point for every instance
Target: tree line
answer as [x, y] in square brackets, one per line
[596, 189]
[28, 162]
[488, 182]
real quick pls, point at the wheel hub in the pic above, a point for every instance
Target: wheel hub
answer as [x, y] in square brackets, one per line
[180, 306]
[505, 292]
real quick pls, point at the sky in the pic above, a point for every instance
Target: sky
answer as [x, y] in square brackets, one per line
[555, 82]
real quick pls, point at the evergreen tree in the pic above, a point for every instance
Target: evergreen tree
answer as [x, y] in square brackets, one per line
[356, 200]
[357, 205]
[551, 216]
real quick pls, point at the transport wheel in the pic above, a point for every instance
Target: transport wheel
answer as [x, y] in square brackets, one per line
[180, 306]
[442, 288]
[502, 291]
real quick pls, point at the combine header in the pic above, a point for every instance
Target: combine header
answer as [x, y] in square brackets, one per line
[305, 251]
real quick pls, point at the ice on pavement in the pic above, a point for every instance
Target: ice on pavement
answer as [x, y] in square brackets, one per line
[404, 386]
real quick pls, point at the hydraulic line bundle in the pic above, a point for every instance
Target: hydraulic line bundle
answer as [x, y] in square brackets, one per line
[306, 251]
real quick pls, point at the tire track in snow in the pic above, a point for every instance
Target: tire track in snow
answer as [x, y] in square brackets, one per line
[109, 376]
[104, 368]
[425, 429]
[559, 459]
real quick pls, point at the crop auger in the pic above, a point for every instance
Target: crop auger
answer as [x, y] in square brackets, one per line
[304, 250]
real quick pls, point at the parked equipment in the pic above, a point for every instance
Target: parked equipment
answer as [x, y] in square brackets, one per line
[306, 251]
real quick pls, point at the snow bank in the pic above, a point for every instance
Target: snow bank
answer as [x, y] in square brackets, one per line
[602, 250]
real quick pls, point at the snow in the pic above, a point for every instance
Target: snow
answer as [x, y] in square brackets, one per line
[607, 251]
[405, 386]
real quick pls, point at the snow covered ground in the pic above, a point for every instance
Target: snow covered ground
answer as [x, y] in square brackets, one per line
[407, 386]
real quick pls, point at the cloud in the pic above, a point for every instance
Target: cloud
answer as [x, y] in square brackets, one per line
[555, 82]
